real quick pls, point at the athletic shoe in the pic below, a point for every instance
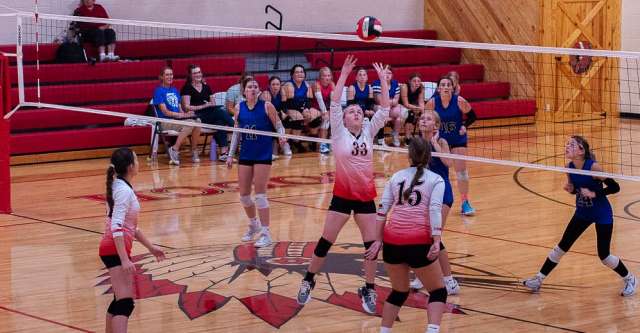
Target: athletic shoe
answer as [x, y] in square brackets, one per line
[629, 286]
[533, 283]
[467, 210]
[254, 229]
[174, 156]
[112, 57]
[396, 140]
[264, 240]
[304, 294]
[381, 142]
[223, 157]
[453, 288]
[416, 284]
[274, 157]
[369, 299]
[324, 148]
[286, 149]
[432, 328]
[195, 158]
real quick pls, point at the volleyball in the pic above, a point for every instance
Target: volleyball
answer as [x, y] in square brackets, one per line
[368, 28]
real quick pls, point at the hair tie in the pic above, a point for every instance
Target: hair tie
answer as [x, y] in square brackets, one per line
[112, 166]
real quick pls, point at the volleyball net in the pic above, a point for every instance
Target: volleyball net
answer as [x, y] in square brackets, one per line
[528, 99]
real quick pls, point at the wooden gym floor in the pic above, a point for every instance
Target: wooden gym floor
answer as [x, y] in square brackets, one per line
[51, 279]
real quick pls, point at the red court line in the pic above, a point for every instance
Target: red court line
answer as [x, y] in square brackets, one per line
[475, 235]
[17, 224]
[45, 319]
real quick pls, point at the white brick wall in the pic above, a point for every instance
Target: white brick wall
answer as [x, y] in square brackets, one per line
[629, 80]
[317, 15]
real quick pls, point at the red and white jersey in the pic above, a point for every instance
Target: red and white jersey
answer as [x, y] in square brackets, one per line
[415, 220]
[354, 155]
[123, 221]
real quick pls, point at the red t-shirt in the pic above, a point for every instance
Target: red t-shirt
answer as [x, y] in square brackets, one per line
[96, 11]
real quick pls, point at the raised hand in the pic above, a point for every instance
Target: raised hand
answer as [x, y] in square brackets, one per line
[349, 64]
[381, 70]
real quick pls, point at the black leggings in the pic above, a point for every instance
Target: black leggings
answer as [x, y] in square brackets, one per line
[99, 37]
[577, 226]
[217, 115]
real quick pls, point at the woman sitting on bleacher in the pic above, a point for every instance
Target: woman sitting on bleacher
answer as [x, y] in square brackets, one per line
[412, 97]
[234, 94]
[395, 112]
[197, 97]
[166, 100]
[296, 97]
[322, 89]
[100, 34]
[273, 96]
[361, 93]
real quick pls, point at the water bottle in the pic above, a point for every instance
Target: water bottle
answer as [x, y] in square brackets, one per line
[213, 153]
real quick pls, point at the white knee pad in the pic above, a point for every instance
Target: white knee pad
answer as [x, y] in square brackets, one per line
[463, 175]
[611, 261]
[404, 113]
[326, 124]
[261, 201]
[556, 254]
[246, 201]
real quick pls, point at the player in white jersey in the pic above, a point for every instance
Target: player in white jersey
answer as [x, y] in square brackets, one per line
[411, 238]
[354, 189]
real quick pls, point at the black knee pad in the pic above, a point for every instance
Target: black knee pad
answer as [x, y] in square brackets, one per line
[441, 246]
[322, 248]
[287, 122]
[367, 245]
[297, 124]
[316, 122]
[397, 298]
[121, 307]
[438, 295]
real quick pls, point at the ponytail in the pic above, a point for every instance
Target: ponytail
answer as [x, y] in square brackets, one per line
[414, 181]
[419, 155]
[111, 172]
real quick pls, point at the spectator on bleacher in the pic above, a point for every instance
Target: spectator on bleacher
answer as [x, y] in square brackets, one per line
[361, 92]
[412, 96]
[234, 93]
[296, 97]
[197, 97]
[273, 96]
[166, 99]
[455, 78]
[322, 89]
[99, 34]
[396, 113]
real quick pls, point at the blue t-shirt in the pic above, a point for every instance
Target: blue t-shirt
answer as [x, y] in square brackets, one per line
[170, 97]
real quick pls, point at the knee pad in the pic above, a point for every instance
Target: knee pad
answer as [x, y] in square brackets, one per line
[397, 298]
[287, 122]
[326, 124]
[611, 261]
[261, 201]
[438, 295]
[322, 248]
[367, 245]
[463, 175]
[316, 122]
[442, 248]
[556, 254]
[121, 307]
[246, 201]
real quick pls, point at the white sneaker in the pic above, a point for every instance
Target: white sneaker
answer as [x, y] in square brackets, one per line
[223, 157]
[254, 229]
[533, 283]
[195, 158]
[286, 149]
[381, 142]
[432, 328]
[174, 156]
[629, 286]
[264, 240]
[113, 57]
[453, 288]
[274, 157]
[396, 140]
[416, 284]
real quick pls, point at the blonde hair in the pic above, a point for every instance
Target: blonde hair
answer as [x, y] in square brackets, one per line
[436, 117]
[325, 69]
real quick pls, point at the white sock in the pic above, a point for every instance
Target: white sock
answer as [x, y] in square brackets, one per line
[628, 277]
[541, 276]
[254, 221]
[265, 230]
[111, 54]
[433, 328]
[385, 329]
[102, 55]
[447, 278]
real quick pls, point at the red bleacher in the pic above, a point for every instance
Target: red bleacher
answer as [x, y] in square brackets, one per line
[128, 86]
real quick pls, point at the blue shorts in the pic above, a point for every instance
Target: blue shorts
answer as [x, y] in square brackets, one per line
[447, 199]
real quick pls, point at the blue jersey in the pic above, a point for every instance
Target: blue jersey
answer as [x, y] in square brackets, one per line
[597, 209]
[170, 97]
[276, 100]
[451, 119]
[255, 147]
[437, 166]
[394, 88]
[300, 96]
[361, 97]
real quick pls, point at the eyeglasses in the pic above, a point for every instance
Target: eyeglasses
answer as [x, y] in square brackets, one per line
[198, 72]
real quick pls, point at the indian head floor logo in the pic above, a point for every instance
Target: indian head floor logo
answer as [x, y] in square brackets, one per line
[266, 280]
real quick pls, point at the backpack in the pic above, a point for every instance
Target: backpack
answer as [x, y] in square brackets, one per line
[70, 52]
